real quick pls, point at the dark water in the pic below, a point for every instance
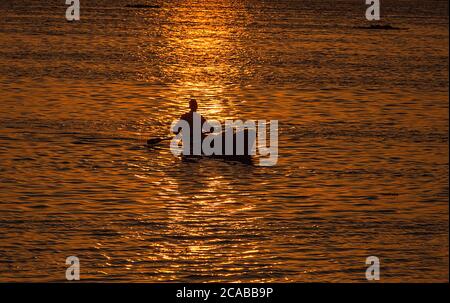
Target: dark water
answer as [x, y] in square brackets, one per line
[363, 143]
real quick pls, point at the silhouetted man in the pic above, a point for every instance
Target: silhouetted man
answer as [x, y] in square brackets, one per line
[196, 133]
[189, 116]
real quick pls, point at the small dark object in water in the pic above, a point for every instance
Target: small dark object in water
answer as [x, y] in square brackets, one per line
[379, 26]
[142, 6]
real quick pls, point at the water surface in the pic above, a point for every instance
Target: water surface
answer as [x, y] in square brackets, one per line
[363, 164]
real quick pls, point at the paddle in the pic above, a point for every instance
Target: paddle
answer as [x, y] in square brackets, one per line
[153, 141]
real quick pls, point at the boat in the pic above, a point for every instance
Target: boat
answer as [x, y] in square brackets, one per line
[247, 157]
[249, 141]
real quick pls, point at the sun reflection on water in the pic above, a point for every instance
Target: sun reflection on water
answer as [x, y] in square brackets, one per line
[199, 56]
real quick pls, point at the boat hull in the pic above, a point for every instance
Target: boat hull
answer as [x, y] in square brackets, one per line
[249, 142]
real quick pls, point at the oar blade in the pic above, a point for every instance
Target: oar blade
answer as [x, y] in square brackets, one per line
[153, 141]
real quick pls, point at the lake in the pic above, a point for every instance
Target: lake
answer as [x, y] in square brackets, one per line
[363, 141]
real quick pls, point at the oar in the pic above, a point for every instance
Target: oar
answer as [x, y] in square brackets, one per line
[153, 141]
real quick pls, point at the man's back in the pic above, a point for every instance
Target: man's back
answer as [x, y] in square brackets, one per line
[195, 122]
[189, 118]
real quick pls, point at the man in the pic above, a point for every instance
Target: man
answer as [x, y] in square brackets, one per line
[189, 118]
[199, 128]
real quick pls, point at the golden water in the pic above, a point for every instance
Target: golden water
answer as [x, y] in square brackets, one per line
[363, 143]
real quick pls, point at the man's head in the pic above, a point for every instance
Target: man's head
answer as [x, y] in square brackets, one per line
[193, 105]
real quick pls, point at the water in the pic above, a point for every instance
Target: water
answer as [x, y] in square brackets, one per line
[363, 143]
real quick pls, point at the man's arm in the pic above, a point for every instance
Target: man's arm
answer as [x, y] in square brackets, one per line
[178, 130]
